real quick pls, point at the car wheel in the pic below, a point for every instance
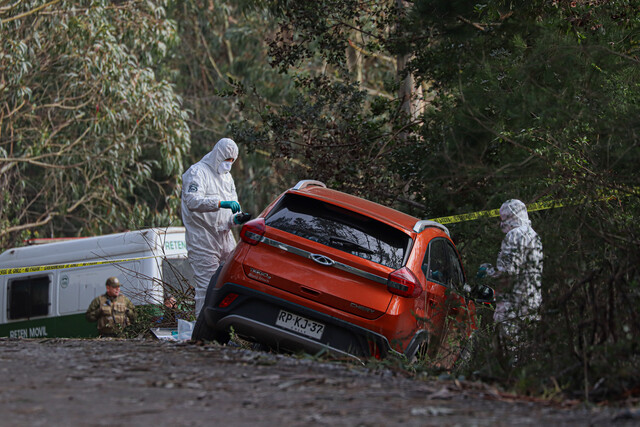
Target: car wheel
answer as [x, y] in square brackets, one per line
[202, 332]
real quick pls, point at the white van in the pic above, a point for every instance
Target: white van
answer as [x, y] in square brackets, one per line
[45, 289]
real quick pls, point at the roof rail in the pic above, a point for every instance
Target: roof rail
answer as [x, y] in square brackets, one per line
[425, 223]
[306, 183]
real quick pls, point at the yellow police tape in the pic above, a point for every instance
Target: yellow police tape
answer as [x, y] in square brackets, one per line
[37, 268]
[530, 208]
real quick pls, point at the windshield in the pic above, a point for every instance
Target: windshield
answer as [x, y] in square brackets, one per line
[341, 229]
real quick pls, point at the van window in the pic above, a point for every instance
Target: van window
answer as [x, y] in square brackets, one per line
[29, 297]
[341, 229]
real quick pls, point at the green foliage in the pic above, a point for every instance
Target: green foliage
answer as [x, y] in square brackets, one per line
[326, 126]
[324, 30]
[91, 139]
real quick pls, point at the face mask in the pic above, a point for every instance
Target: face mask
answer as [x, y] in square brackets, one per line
[224, 167]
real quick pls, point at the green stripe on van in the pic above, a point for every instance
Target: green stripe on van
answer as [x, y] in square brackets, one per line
[71, 326]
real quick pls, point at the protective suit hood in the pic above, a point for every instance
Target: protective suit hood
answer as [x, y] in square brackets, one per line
[224, 149]
[513, 214]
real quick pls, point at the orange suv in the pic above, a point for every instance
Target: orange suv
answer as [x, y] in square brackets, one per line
[323, 270]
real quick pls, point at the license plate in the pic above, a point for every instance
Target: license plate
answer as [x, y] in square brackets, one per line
[300, 324]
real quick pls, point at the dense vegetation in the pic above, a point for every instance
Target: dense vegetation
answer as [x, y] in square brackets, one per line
[435, 107]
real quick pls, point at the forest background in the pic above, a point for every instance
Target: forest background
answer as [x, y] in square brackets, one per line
[433, 107]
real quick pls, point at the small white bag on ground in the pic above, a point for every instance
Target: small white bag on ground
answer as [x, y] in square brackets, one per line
[185, 329]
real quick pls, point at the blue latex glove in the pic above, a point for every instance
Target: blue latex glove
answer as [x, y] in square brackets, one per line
[233, 205]
[482, 272]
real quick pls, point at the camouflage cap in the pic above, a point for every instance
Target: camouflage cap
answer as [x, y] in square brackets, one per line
[113, 282]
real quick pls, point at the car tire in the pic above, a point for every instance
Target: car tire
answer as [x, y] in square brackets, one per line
[202, 332]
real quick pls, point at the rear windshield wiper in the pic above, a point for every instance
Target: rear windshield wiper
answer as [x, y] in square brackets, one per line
[349, 245]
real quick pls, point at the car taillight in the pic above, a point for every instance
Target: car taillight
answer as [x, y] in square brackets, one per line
[227, 300]
[404, 283]
[252, 231]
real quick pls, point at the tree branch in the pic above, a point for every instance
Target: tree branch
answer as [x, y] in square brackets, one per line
[31, 12]
[39, 223]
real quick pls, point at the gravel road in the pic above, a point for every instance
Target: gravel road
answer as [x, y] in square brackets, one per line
[71, 382]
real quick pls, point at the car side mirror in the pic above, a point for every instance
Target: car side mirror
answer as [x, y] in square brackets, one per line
[483, 294]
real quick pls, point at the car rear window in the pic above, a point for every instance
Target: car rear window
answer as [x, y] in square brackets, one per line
[341, 229]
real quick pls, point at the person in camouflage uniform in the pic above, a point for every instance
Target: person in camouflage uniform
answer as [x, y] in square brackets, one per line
[112, 311]
[518, 275]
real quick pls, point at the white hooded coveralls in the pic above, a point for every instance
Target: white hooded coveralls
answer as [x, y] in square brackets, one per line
[520, 259]
[208, 227]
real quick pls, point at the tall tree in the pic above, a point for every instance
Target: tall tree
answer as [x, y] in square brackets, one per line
[91, 137]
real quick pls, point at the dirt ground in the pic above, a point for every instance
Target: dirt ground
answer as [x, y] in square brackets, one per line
[145, 382]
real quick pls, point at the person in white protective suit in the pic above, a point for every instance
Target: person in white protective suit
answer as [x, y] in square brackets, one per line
[518, 269]
[210, 208]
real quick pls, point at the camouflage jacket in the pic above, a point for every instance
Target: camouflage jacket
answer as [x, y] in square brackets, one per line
[112, 314]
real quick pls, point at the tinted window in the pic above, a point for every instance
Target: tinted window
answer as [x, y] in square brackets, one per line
[29, 297]
[341, 229]
[441, 264]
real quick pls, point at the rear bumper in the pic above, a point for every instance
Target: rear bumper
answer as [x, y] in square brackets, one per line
[253, 314]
